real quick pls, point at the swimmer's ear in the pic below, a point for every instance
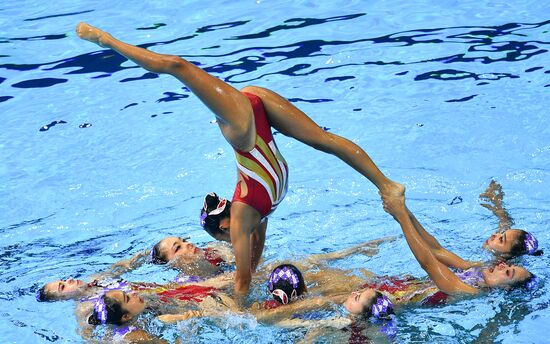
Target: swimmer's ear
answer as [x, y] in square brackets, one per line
[125, 317]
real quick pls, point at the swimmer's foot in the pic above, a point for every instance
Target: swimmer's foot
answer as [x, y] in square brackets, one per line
[92, 34]
[392, 189]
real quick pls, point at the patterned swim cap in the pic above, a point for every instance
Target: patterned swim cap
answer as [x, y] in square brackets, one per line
[531, 243]
[382, 308]
[100, 310]
[286, 283]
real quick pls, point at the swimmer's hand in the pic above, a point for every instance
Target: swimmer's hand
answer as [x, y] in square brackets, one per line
[172, 318]
[493, 193]
[395, 206]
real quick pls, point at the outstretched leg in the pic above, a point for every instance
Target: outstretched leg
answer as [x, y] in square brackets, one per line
[290, 121]
[232, 108]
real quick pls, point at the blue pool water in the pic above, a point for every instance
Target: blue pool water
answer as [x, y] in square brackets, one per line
[444, 96]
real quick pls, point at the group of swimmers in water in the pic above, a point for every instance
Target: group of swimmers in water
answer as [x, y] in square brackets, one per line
[207, 275]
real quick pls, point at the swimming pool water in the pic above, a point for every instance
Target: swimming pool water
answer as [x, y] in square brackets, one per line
[444, 96]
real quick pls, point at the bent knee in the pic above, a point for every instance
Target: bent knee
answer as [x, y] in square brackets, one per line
[256, 90]
[171, 62]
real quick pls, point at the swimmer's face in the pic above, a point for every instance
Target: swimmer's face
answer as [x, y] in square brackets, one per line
[172, 247]
[504, 275]
[64, 289]
[132, 304]
[502, 243]
[224, 228]
[358, 301]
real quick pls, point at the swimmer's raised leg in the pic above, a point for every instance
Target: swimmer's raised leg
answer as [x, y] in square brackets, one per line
[291, 121]
[232, 109]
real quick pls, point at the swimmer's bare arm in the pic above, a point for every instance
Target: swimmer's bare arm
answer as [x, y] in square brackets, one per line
[369, 248]
[143, 337]
[334, 322]
[494, 195]
[313, 335]
[445, 256]
[244, 219]
[286, 311]
[442, 276]
[257, 240]
[219, 282]
[171, 318]
[123, 266]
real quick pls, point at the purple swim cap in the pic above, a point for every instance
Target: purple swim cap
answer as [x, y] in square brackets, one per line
[382, 308]
[101, 310]
[284, 273]
[280, 290]
[531, 243]
[532, 283]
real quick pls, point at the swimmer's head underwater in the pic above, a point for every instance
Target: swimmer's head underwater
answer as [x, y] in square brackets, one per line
[512, 243]
[215, 217]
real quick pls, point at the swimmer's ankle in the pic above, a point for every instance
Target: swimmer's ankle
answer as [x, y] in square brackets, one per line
[392, 189]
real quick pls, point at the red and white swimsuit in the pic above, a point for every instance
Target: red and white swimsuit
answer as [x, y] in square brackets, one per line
[263, 169]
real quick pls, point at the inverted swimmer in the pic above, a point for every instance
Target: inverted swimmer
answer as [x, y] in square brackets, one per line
[245, 119]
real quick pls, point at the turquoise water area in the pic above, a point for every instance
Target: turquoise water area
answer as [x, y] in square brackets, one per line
[101, 159]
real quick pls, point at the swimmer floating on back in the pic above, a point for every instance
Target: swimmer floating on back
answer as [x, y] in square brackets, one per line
[245, 119]
[74, 289]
